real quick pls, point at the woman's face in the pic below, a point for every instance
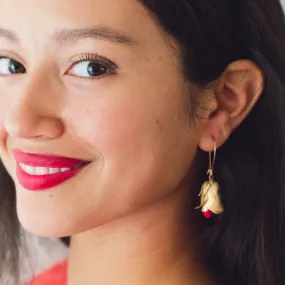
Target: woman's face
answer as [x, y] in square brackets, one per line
[123, 107]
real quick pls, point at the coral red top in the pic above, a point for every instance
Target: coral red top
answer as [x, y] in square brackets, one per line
[56, 275]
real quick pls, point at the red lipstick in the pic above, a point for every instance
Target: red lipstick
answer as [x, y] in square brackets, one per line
[30, 179]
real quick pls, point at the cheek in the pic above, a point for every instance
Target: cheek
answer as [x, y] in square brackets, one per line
[3, 112]
[134, 138]
[2, 134]
[110, 127]
[8, 98]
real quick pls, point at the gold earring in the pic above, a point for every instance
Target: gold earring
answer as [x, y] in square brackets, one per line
[210, 192]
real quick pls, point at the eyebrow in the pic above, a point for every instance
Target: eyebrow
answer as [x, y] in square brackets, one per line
[7, 34]
[74, 35]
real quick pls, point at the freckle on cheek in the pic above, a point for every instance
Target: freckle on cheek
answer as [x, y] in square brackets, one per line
[159, 124]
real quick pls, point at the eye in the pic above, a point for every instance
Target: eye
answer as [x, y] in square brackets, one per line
[91, 67]
[9, 66]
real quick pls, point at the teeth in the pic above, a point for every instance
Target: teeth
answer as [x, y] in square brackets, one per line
[64, 169]
[41, 170]
[53, 170]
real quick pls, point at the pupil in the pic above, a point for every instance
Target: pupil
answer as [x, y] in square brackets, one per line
[95, 69]
[16, 67]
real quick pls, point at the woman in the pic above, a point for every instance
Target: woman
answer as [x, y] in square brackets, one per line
[115, 113]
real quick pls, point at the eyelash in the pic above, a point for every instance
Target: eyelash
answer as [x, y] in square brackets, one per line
[112, 67]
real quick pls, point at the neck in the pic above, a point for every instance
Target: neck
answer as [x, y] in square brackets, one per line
[156, 245]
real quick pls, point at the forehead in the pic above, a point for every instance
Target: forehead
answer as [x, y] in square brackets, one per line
[77, 9]
[43, 17]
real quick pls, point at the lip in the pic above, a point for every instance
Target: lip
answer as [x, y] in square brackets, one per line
[45, 181]
[45, 160]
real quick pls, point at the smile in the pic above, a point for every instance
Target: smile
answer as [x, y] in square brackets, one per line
[37, 172]
[45, 170]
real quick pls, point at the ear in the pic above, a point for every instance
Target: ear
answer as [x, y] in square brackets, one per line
[234, 96]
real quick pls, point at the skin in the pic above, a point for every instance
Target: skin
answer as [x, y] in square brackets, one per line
[130, 211]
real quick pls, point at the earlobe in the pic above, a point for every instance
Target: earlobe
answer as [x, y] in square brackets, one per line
[236, 93]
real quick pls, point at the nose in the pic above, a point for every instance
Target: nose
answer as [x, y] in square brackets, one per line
[34, 113]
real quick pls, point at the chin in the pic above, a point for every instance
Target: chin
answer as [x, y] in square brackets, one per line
[51, 226]
[42, 216]
[43, 230]
[43, 226]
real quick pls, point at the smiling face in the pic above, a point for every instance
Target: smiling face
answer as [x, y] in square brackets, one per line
[94, 81]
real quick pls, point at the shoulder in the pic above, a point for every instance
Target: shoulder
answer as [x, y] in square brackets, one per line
[56, 275]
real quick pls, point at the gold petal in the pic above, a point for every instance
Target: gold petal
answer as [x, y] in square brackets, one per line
[210, 197]
[203, 193]
[214, 203]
